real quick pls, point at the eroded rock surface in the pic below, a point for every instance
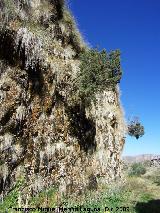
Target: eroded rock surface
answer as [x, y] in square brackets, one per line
[45, 136]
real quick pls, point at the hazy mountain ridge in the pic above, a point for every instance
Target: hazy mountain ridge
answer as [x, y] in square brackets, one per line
[140, 158]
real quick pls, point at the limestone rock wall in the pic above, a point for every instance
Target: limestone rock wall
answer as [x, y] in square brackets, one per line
[44, 135]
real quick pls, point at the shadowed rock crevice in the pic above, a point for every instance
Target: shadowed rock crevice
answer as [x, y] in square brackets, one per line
[7, 47]
[83, 128]
[6, 117]
[5, 184]
[58, 4]
[35, 76]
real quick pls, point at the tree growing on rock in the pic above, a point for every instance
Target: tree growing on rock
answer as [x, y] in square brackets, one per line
[135, 128]
[99, 71]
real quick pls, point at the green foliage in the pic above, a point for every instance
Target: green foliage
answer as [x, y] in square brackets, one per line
[11, 200]
[47, 196]
[154, 175]
[111, 197]
[136, 129]
[157, 180]
[98, 71]
[137, 169]
[119, 196]
[44, 198]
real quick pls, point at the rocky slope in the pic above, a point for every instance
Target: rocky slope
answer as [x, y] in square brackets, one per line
[46, 135]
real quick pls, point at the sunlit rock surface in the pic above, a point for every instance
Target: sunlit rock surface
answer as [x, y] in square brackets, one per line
[45, 135]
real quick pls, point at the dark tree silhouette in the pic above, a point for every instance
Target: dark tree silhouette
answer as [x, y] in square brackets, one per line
[135, 128]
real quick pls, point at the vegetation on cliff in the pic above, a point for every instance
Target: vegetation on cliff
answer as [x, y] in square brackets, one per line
[45, 136]
[135, 128]
[99, 71]
[137, 194]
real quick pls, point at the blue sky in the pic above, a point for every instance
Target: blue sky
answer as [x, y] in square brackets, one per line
[133, 26]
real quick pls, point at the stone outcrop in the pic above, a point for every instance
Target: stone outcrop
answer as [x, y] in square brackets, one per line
[47, 136]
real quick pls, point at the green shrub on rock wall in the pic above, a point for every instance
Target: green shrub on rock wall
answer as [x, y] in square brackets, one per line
[137, 169]
[98, 71]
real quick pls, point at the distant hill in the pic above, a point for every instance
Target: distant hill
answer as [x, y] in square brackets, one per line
[139, 158]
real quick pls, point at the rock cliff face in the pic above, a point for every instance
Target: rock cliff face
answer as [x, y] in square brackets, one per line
[45, 135]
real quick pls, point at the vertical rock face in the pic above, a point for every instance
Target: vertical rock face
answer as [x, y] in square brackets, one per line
[44, 135]
[110, 131]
